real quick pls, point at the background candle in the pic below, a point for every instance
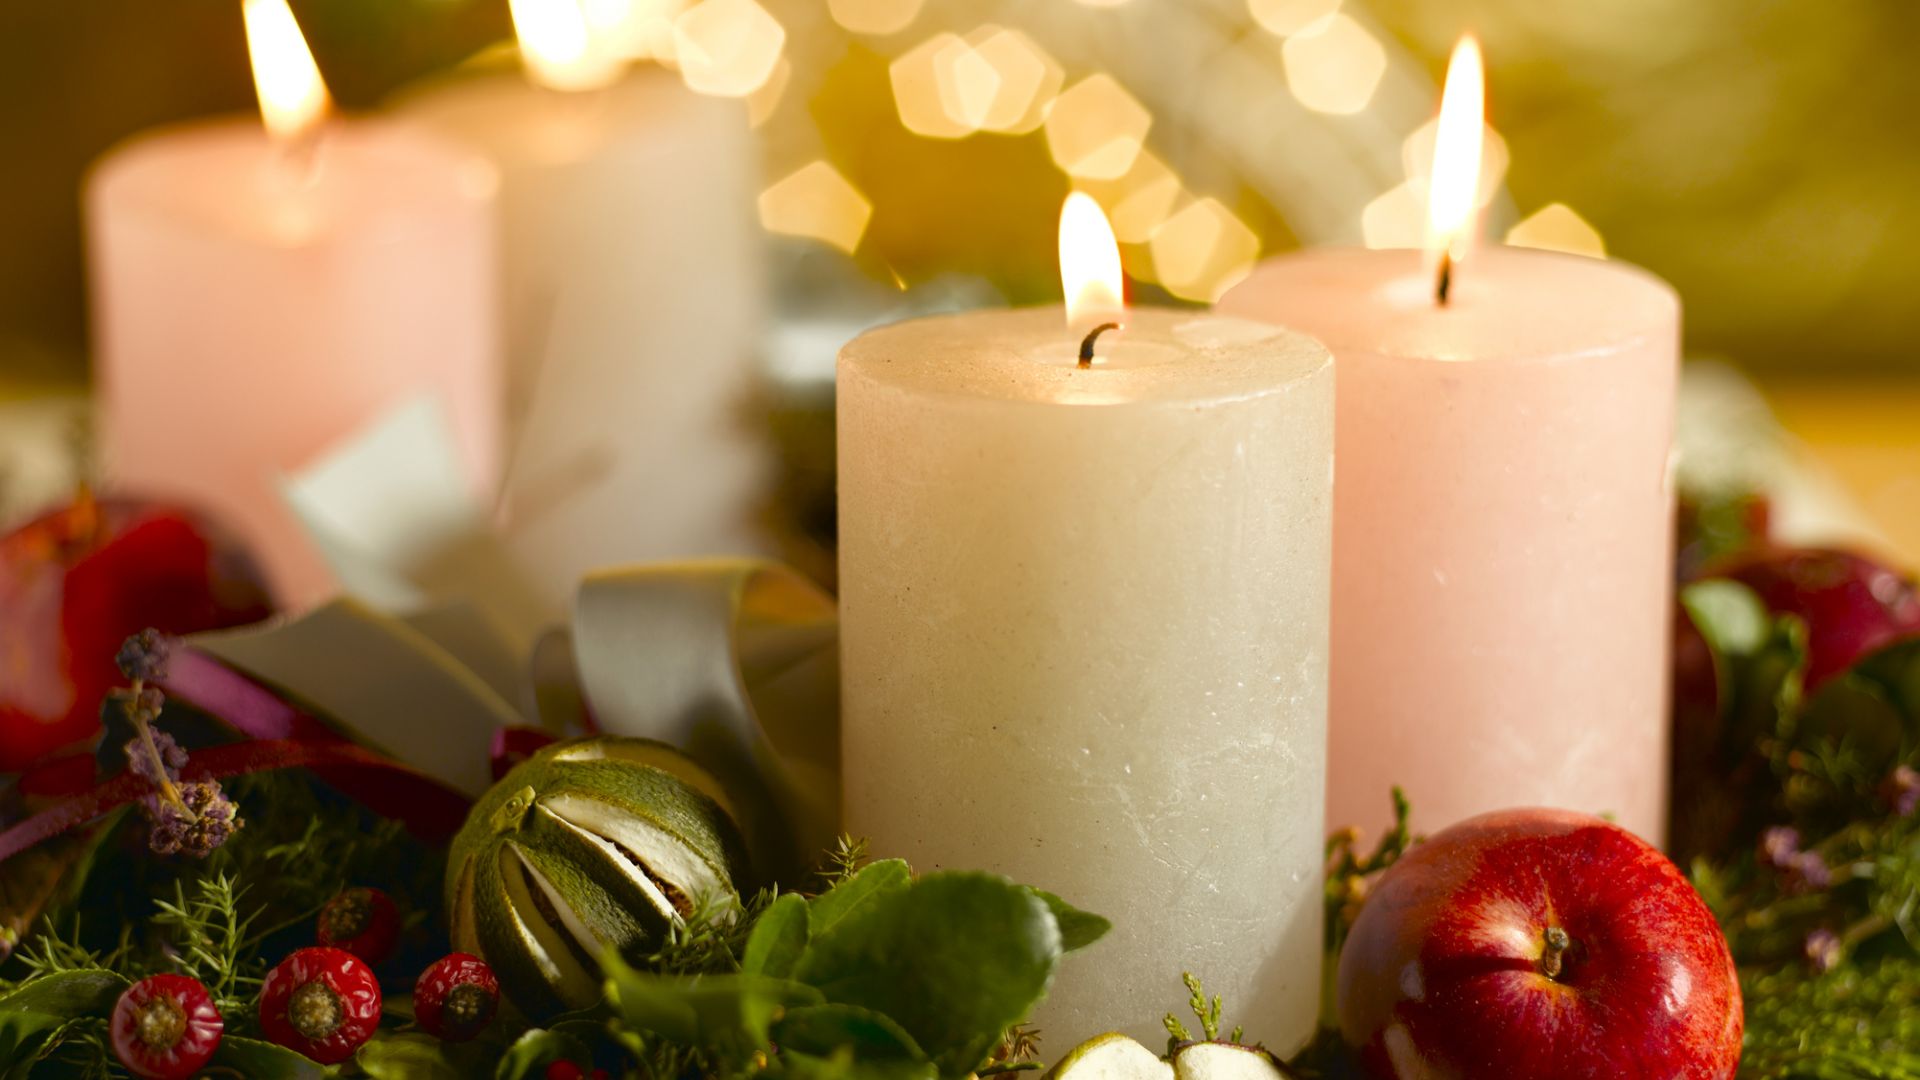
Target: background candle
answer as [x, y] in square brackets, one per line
[634, 300]
[1084, 618]
[256, 298]
[1503, 522]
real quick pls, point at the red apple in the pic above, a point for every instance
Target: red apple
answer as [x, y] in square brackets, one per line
[1852, 605]
[78, 582]
[1539, 945]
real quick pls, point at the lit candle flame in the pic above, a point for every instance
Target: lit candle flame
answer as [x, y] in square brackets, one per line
[1453, 194]
[1090, 263]
[558, 47]
[293, 98]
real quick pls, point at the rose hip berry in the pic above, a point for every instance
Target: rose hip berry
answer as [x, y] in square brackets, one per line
[361, 921]
[455, 999]
[320, 1002]
[165, 1027]
[567, 1070]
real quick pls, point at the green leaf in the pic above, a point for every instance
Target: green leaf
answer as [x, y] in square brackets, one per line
[35, 1010]
[827, 1030]
[779, 938]
[954, 958]
[1895, 672]
[260, 1060]
[1078, 929]
[875, 879]
[1728, 614]
[717, 1011]
[537, 1049]
[797, 1065]
[418, 1056]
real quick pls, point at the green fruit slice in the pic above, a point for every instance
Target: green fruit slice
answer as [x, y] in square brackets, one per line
[597, 844]
[1112, 1056]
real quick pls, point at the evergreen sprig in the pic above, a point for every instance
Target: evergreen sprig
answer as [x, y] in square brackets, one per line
[210, 939]
[1205, 1010]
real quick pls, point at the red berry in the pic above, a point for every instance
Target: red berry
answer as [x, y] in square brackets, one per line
[361, 921]
[565, 1070]
[320, 1002]
[165, 1027]
[456, 997]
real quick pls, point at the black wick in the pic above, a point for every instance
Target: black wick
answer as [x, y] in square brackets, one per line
[1086, 344]
[1443, 284]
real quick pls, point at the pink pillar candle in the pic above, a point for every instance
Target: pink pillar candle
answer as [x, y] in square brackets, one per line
[251, 307]
[1503, 517]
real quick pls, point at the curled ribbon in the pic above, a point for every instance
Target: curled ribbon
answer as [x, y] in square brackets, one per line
[736, 662]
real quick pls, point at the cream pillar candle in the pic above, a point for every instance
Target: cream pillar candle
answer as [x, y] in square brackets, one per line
[1502, 529]
[1084, 633]
[1503, 513]
[256, 298]
[634, 301]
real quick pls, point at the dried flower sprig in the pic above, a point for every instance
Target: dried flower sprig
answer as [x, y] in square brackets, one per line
[192, 818]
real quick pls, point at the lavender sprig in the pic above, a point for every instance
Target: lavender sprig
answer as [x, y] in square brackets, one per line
[193, 818]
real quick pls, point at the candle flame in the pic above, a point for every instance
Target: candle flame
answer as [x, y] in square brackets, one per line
[1089, 262]
[1453, 196]
[293, 97]
[558, 46]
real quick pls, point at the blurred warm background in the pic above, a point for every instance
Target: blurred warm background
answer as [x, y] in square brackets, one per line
[1762, 157]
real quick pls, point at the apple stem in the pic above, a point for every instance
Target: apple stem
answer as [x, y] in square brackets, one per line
[1553, 957]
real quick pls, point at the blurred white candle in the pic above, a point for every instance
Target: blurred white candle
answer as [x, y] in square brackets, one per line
[258, 295]
[633, 282]
[1084, 637]
[1503, 517]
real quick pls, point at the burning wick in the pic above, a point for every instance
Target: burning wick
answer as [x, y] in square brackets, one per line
[1459, 140]
[1087, 343]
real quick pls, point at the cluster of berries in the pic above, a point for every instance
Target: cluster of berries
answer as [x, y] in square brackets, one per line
[323, 1001]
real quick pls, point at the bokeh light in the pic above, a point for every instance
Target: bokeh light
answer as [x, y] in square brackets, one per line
[1287, 17]
[878, 17]
[1026, 79]
[1397, 218]
[917, 91]
[1200, 252]
[1557, 227]
[728, 48]
[764, 102]
[1095, 129]
[1334, 65]
[635, 29]
[816, 201]
[1138, 202]
[968, 85]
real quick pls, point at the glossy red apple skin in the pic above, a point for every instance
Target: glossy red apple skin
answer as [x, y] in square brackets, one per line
[76, 583]
[1442, 977]
[1852, 605]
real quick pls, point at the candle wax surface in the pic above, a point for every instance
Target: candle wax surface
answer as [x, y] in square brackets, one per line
[633, 282]
[252, 307]
[1502, 529]
[1084, 619]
